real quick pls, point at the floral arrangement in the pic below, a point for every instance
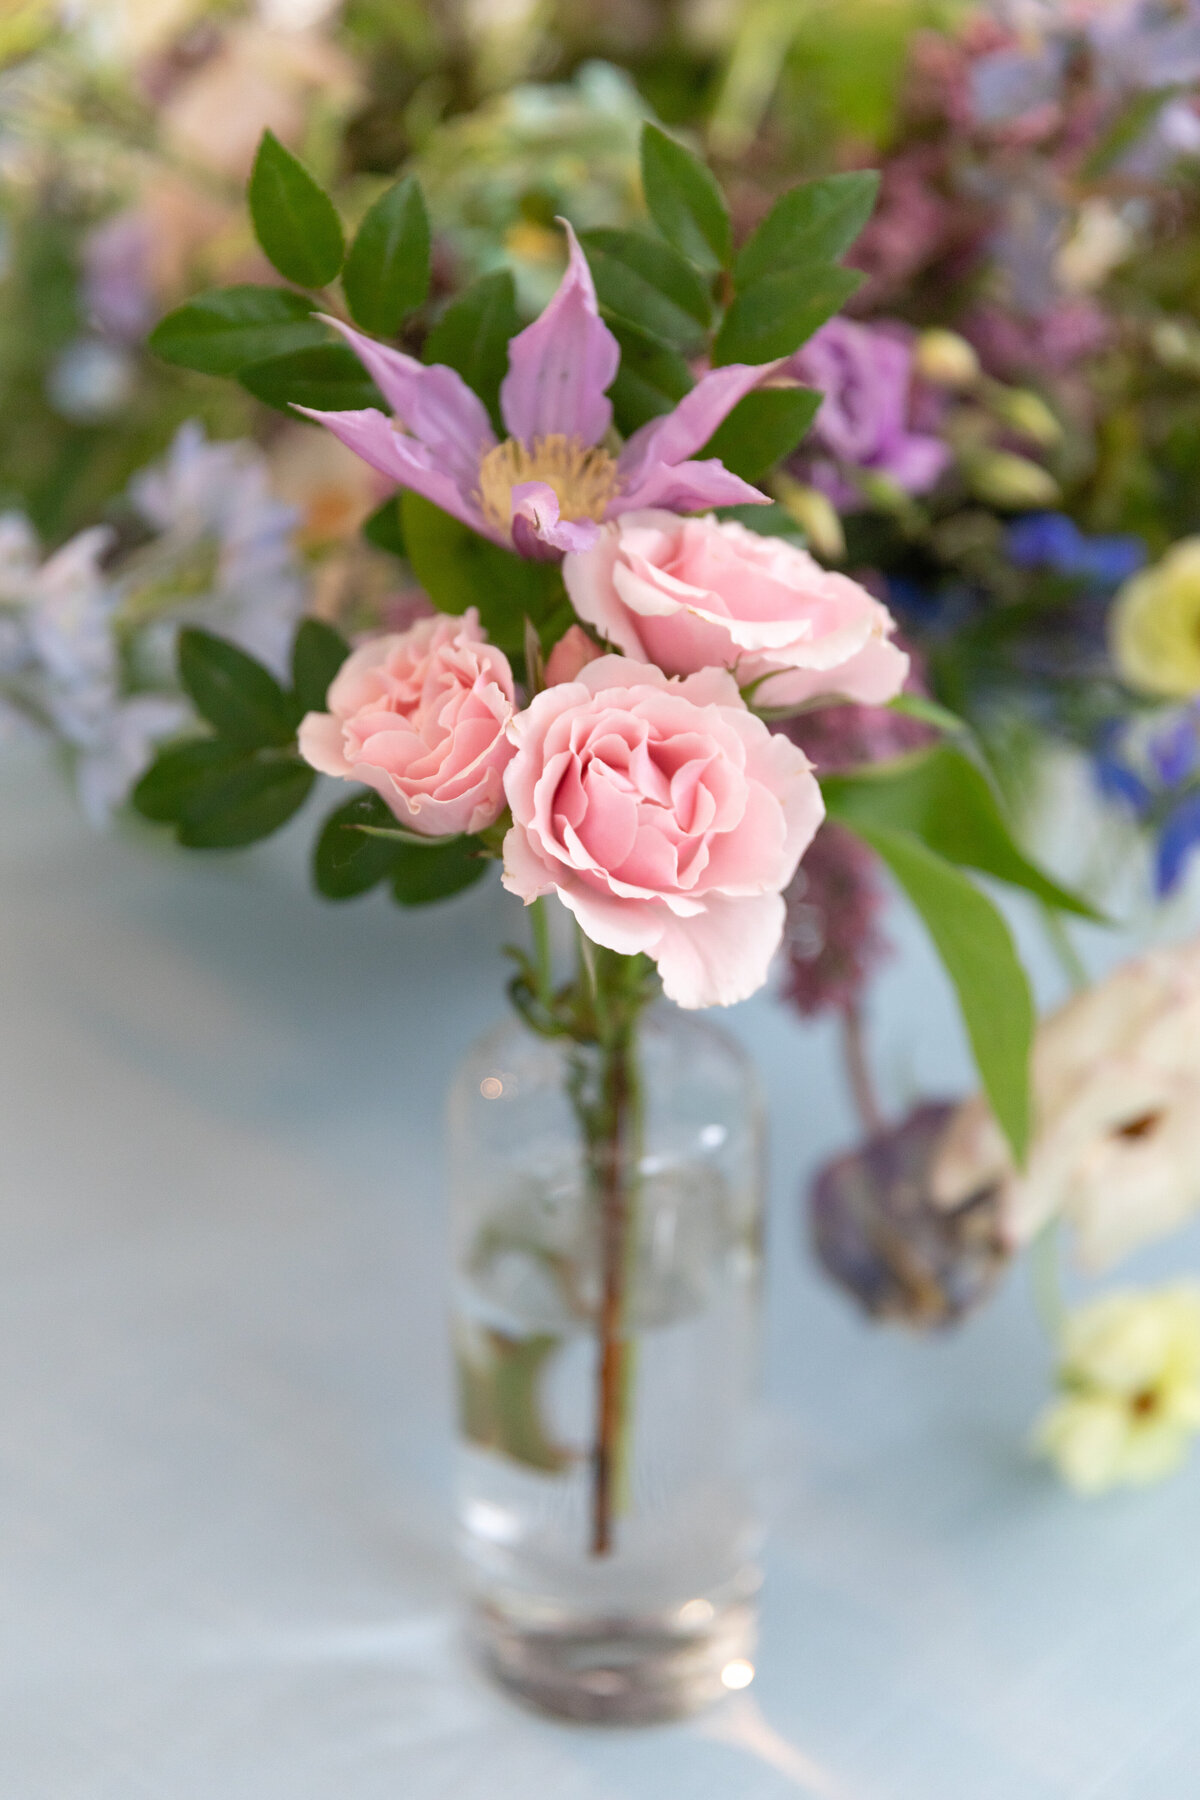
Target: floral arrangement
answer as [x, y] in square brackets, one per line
[710, 563]
[599, 688]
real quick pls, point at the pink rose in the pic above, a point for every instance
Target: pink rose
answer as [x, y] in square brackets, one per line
[573, 651]
[666, 816]
[690, 594]
[420, 716]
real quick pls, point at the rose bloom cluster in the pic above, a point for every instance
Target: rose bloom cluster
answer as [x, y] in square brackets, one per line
[639, 784]
[642, 789]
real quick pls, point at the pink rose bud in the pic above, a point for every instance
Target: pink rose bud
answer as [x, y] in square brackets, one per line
[573, 651]
[420, 716]
[690, 594]
[666, 816]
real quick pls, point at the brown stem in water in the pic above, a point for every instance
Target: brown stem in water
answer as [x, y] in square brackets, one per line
[858, 1071]
[614, 1197]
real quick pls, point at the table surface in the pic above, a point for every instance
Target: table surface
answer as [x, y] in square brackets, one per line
[225, 1570]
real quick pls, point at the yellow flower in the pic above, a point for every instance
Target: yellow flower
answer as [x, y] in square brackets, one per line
[1130, 1380]
[1155, 625]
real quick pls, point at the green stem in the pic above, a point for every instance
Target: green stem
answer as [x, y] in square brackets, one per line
[858, 1072]
[542, 961]
[1063, 946]
[1047, 1285]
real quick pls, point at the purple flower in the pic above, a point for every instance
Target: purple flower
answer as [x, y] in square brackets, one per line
[833, 939]
[546, 487]
[1017, 344]
[866, 375]
[1054, 541]
[878, 1232]
[117, 291]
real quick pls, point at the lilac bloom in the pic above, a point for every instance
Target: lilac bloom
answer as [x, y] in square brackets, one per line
[880, 1233]
[866, 375]
[548, 485]
[1009, 84]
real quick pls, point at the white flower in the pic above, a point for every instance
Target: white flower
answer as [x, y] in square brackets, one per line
[1130, 1389]
[1116, 1146]
[225, 558]
[60, 666]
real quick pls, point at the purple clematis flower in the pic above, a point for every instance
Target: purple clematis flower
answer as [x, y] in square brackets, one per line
[548, 486]
[866, 375]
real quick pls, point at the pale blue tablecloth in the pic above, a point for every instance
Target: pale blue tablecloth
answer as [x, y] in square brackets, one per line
[224, 1564]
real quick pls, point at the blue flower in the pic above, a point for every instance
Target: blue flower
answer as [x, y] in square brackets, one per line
[1053, 541]
[1117, 781]
[1178, 837]
[1175, 750]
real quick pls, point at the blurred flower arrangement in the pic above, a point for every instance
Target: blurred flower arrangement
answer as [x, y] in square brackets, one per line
[950, 434]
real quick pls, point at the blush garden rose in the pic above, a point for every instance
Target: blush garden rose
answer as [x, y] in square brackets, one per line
[420, 716]
[689, 594]
[667, 818]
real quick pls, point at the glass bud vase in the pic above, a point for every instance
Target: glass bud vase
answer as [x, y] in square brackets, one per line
[606, 1340]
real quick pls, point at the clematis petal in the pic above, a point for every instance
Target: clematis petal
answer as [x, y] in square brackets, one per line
[679, 434]
[372, 435]
[432, 403]
[537, 529]
[687, 487]
[559, 367]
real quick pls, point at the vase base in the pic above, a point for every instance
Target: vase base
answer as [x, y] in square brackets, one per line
[619, 1671]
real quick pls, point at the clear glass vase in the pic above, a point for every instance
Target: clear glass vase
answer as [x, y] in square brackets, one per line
[607, 1221]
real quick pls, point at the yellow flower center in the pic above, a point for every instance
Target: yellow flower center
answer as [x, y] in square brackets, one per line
[583, 476]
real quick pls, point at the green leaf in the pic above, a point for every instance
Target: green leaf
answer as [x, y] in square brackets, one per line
[650, 284]
[182, 773]
[763, 428]
[241, 700]
[473, 334]
[930, 712]
[1129, 125]
[247, 804]
[685, 201]
[500, 1398]
[328, 377]
[650, 381]
[977, 950]
[346, 861]
[421, 876]
[220, 332]
[769, 520]
[295, 221]
[387, 270]
[457, 568]
[318, 652]
[946, 801]
[384, 529]
[808, 226]
[779, 313]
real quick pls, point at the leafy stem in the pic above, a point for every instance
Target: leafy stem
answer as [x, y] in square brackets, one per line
[1047, 1284]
